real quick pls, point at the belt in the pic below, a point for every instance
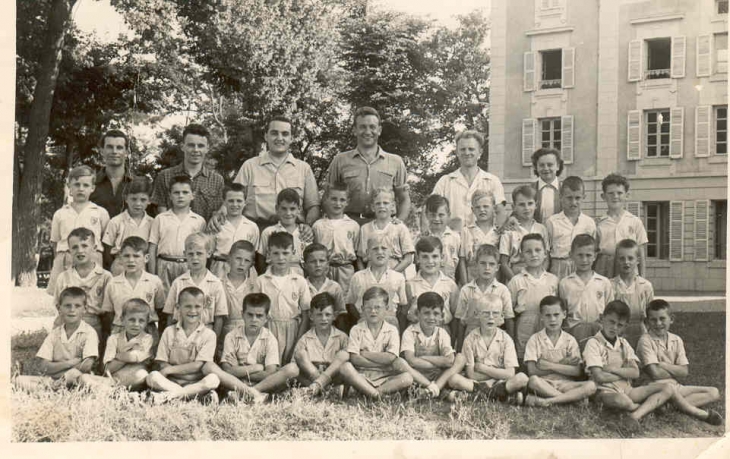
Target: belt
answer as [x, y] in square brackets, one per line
[173, 259]
[355, 215]
[217, 258]
[339, 265]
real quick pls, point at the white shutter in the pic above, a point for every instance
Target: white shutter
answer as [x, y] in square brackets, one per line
[676, 132]
[676, 230]
[566, 139]
[635, 63]
[633, 150]
[634, 207]
[703, 117]
[679, 52]
[704, 55]
[702, 226]
[568, 75]
[529, 128]
[530, 72]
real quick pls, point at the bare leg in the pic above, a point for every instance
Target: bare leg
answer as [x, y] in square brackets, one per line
[33, 383]
[443, 380]
[516, 382]
[699, 395]
[205, 385]
[131, 376]
[277, 381]
[228, 381]
[575, 392]
[396, 383]
[459, 382]
[333, 369]
[96, 383]
[358, 381]
[401, 365]
[651, 397]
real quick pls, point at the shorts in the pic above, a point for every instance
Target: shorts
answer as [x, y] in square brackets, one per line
[220, 269]
[117, 267]
[561, 267]
[376, 376]
[605, 265]
[563, 385]
[286, 332]
[342, 275]
[616, 387]
[168, 271]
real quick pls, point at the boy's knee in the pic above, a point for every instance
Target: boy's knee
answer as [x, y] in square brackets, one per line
[84, 380]
[590, 387]
[714, 393]
[534, 381]
[209, 368]
[153, 377]
[72, 376]
[400, 364]
[521, 379]
[460, 359]
[343, 356]
[291, 370]
[407, 379]
[211, 382]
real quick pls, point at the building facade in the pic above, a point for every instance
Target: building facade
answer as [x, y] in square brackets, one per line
[637, 87]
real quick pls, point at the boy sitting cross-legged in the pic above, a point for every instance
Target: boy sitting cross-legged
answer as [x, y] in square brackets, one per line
[322, 350]
[183, 350]
[553, 360]
[70, 349]
[374, 368]
[249, 366]
[426, 347]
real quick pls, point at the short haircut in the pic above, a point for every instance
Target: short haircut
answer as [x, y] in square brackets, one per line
[322, 300]
[430, 300]
[235, 187]
[375, 292]
[487, 250]
[377, 238]
[572, 183]
[435, 202]
[429, 244]
[135, 243]
[532, 237]
[257, 300]
[365, 111]
[80, 171]
[527, 191]
[289, 195]
[281, 118]
[280, 240]
[115, 133]
[490, 299]
[615, 179]
[544, 152]
[479, 194]
[583, 240]
[181, 179]
[657, 305]
[311, 248]
[200, 238]
[381, 190]
[619, 308]
[470, 134]
[192, 291]
[81, 233]
[336, 186]
[242, 244]
[72, 292]
[552, 300]
[136, 306]
[139, 185]
[627, 244]
[196, 129]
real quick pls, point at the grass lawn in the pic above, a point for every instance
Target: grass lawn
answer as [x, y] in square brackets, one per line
[77, 416]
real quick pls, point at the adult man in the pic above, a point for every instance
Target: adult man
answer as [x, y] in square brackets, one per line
[368, 167]
[207, 184]
[114, 178]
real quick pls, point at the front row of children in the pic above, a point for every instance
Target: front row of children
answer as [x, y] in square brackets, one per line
[369, 360]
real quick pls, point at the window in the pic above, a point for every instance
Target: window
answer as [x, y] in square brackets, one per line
[657, 229]
[721, 53]
[550, 4]
[550, 133]
[721, 130]
[659, 58]
[721, 6]
[657, 133]
[720, 216]
[552, 65]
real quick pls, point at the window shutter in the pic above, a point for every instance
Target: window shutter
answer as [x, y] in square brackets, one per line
[568, 76]
[676, 132]
[704, 55]
[530, 72]
[566, 138]
[634, 207]
[703, 116]
[679, 52]
[633, 151]
[635, 48]
[529, 126]
[702, 224]
[676, 230]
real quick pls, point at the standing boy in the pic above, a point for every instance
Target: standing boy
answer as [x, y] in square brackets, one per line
[316, 266]
[288, 208]
[523, 203]
[482, 231]
[438, 216]
[238, 283]
[382, 201]
[631, 288]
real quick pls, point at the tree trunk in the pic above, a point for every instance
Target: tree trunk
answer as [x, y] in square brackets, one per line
[26, 211]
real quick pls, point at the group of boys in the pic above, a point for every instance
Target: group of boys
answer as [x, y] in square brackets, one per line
[253, 323]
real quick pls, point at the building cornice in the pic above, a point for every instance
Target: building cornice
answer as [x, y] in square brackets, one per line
[662, 18]
[533, 32]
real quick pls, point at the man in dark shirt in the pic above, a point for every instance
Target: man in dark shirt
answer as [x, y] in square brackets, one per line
[114, 178]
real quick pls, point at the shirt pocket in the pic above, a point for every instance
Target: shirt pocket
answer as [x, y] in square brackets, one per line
[294, 178]
[263, 185]
[354, 179]
[382, 179]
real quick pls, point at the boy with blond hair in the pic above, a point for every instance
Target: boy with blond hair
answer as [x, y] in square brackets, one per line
[288, 208]
[237, 283]
[316, 266]
[382, 201]
[631, 288]
[482, 231]
[523, 204]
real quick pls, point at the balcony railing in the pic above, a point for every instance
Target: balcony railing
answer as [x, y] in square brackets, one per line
[550, 84]
[658, 73]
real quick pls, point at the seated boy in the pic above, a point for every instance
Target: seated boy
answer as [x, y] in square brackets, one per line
[184, 348]
[322, 350]
[69, 350]
[249, 366]
[612, 365]
[663, 360]
[491, 357]
[553, 360]
[426, 346]
[374, 368]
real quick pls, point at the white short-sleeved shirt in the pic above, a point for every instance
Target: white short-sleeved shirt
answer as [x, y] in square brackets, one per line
[238, 351]
[361, 339]
[561, 232]
[510, 241]
[289, 294]
[123, 226]
[451, 242]
[341, 237]
[455, 187]
[310, 344]
[600, 353]
[416, 341]
[444, 286]
[499, 353]
[177, 348]
[295, 262]
[66, 219]
[94, 284]
[246, 230]
[539, 346]
[334, 289]
[637, 295]
[611, 231]
[391, 281]
[471, 238]
[235, 296]
[212, 287]
[118, 343]
[653, 349]
[398, 237]
[57, 347]
[470, 293]
[527, 290]
[168, 232]
[149, 288]
[585, 300]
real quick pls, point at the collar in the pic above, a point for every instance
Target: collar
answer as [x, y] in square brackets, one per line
[327, 282]
[271, 275]
[602, 339]
[89, 206]
[179, 327]
[595, 276]
[378, 154]
[122, 278]
[98, 270]
[543, 335]
[312, 334]
[555, 184]
[186, 276]
[181, 168]
[101, 176]
[420, 278]
[82, 328]
[528, 275]
[265, 158]
[141, 335]
[419, 331]
[473, 285]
